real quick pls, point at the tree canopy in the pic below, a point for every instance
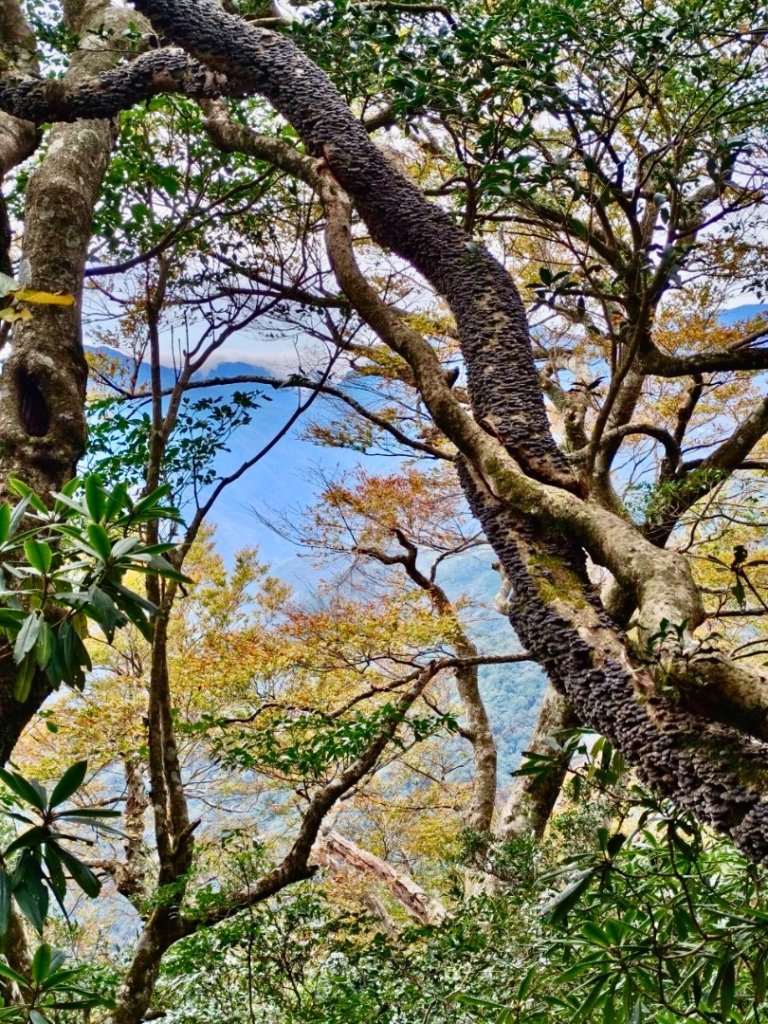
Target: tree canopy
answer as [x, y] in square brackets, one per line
[506, 246]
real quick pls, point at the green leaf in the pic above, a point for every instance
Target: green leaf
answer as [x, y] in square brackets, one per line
[81, 873]
[759, 979]
[44, 645]
[33, 837]
[104, 610]
[29, 792]
[72, 656]
[727, 988]
[5, 522]
[22, 684]
[594, 933]
[117, 502]
[29, 891]
[62, 978]
[26, 493]
[17, 515]
[41, 964]
[129, 598]
[525, 985]
[558, 908]
[100, 541]
[69, 783]
[27, 637]
[150, 506]
[8, 972]
[95, 498]
[122, 547]
[5, 903]
[592, 999]
[86, 813]
[65, 502]
[58, 959]
[39, 555]
[56, 877]
[11, 618]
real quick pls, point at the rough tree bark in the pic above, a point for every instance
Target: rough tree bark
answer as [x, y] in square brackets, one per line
[42, 387]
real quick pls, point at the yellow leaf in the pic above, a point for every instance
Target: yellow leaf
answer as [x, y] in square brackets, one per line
[11, 314]
[45, 298]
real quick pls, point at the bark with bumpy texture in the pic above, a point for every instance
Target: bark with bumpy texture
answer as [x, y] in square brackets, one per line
[42, 387]
[709, 768]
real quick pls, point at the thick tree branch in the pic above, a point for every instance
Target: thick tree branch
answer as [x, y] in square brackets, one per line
[169, 70]
[335, 851]
[663, 364]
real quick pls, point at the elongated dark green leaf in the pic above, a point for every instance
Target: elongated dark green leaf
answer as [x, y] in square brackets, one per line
[63, 498]
[69, 783]
[32, 837]
[727, 988]
[5, 903]
[100, 542]
[124, 546]
[17, 515]
[26, 493]
[41, 963]
[131, 598]
[11, 618]
[116, 502]
[63, 979]
[81, 873]
[5, 522]
[55, 670]
[8, 972]
[759, 979]
[150, 502]
[29, 890]
[137, 617]
[525, 985]
[56, 878]
[31, 793]
[87, 813]
[58, 960]
[104, 611]
[592, 999]
[22, 684]
[558, 908]
[44, 645]
[95, 498]
[27, 637]
[39, 554]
